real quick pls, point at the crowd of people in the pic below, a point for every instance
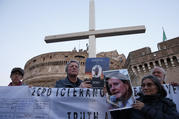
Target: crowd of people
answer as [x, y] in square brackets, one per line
[72, 80]
[151, 104]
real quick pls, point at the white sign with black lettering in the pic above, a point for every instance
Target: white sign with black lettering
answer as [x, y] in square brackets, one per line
[52, 103]
[22, 102]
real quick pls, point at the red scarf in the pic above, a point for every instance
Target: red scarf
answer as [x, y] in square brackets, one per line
[19, 84]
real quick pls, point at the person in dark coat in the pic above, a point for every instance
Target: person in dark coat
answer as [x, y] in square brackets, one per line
[72, 80]
[153, 104]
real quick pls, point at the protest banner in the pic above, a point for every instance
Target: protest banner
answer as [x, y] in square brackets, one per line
[52, 103]
[22, 102]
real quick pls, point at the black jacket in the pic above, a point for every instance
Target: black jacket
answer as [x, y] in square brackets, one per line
[156, 107]
[66, 83]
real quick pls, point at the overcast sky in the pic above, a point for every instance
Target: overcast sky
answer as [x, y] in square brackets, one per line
[25, 23]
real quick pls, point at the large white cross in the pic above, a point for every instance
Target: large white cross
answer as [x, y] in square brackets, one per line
[92, 34]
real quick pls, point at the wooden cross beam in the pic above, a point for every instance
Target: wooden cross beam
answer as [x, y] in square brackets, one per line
[97, 33]
[92, 34]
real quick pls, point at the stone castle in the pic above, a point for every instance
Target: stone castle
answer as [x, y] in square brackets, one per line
[140, 62]
[45, 69]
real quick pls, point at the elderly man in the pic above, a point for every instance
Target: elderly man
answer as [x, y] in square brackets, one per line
[72, 81]
[161, 74]
[16, 76]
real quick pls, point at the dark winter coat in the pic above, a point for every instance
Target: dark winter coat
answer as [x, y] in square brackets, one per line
[66, 83]
[155, 107]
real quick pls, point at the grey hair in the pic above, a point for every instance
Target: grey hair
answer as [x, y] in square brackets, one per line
[71, 61]
[161, 69]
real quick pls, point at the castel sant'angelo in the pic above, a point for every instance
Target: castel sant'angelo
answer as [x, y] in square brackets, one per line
[140, 62]
[45, 69]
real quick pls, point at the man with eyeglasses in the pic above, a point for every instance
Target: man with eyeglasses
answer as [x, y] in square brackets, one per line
[72, 80]
[16, 76]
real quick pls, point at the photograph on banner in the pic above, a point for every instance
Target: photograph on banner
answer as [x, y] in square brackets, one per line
[119, 91]
[94, 70]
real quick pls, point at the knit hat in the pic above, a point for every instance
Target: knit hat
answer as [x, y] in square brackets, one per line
[17, 69]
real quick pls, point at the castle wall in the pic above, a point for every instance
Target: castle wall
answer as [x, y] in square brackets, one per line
[117, 61]
[165, 58]
[45, 69]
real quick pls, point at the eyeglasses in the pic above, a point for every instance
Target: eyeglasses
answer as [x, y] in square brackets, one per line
[147, 84]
